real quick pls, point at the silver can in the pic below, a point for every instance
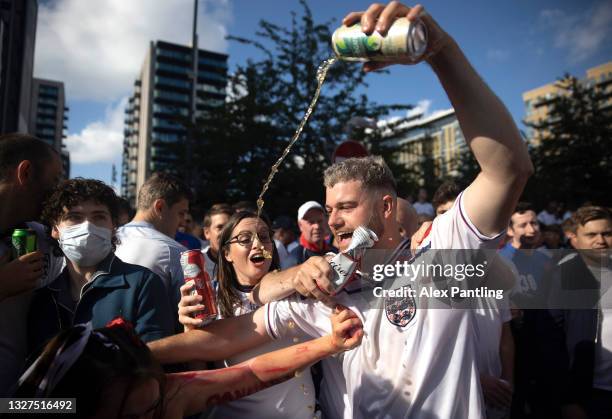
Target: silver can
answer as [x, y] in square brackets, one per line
[404, 39]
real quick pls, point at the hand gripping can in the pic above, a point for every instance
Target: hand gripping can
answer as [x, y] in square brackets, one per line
[404, 39]
[192, 262]
[23, 241]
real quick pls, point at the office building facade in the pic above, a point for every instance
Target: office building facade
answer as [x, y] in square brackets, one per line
[438, 137]
[49, 115]
[539, 102]
[160, 106]
[17, 39]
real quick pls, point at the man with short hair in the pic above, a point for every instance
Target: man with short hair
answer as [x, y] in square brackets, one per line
[532, 268]
[148, 240]
[29, 170]
[95, 286]
[312, 242]
[214, 220]
[578, 345]
[413, 362]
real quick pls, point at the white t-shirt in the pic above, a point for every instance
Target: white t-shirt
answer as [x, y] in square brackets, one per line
[424, 365]
[14, 314]
[424, 208]
[294, 398]
[141, 244]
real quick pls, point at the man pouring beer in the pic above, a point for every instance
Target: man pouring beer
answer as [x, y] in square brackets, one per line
[414, 363]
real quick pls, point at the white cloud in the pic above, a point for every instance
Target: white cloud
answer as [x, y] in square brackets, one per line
[100, 141]
[581, 35]
[97, 47]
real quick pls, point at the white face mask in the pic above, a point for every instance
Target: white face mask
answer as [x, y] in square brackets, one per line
[85, 244]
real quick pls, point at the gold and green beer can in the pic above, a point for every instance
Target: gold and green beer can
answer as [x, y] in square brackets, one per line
[404, 39]
[23, 241]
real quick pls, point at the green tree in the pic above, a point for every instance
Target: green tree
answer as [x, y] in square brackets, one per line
[573, 159]
[237, 142]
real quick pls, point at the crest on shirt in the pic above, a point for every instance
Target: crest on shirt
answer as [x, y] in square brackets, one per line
[400, 310]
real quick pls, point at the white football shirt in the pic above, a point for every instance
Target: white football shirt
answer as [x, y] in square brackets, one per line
[294, 398]
[422, 364]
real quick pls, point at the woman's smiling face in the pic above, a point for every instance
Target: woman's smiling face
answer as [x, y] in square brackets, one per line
[246, 250]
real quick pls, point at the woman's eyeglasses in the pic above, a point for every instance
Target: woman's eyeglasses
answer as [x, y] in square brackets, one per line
[246, 239]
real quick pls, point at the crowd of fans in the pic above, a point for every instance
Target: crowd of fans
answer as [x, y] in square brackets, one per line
[101, 312]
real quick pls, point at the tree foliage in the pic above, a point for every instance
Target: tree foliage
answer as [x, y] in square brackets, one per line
[573, 159]
[238, 142]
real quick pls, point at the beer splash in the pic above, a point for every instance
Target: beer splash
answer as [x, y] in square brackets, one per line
[321, 74]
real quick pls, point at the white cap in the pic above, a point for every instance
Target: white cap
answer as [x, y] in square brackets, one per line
[307, 206]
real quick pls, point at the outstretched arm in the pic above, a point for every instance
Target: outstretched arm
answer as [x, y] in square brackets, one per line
[195, 391]
[487, 125]
[219, 340]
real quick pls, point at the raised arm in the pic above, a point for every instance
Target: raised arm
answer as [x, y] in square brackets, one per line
[487, 125]
[492, 136]
[195, 391]
[219, 340]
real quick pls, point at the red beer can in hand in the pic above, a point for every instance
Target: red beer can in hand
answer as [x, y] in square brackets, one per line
[192, 262]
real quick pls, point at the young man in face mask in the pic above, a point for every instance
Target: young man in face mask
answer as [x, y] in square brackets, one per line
[96, 286]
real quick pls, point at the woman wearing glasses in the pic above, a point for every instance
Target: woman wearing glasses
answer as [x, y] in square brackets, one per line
[244, 258]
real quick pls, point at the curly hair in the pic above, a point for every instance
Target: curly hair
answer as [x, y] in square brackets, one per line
[72, 192]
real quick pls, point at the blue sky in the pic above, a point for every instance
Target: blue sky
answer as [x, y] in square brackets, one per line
[97, 48]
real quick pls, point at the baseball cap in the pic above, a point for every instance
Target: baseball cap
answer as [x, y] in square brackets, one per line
[307, 206]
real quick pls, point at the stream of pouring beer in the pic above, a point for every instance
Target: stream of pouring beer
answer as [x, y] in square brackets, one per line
[321, 74]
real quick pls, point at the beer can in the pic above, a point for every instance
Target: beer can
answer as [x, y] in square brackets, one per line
[23, 241]
[404, 39]
[192, 262]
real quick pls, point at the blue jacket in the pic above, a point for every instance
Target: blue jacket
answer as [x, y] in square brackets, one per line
[116, 289]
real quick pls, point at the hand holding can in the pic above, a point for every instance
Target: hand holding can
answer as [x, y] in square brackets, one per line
[192, 262]
[417, 34]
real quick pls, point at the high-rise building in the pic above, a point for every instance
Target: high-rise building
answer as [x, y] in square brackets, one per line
[17, 38]
[539, 101]
[48, 116]
[437, 136]
[159, 106]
